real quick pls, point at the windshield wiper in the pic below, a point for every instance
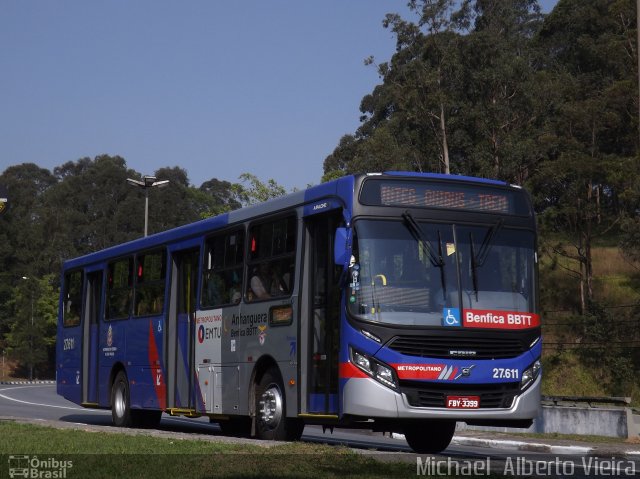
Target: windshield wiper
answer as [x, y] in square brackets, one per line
[474, 271]
[418, 235]
[481, 257]
[487, 243]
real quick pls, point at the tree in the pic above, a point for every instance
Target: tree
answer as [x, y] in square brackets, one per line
[221, 197]
[337, 163]
[499, 62]
[453, 100]
[431, 49]
[31, 340]
[407, 119]
[23, 223]
[257, 191]
[174, 205]
[23, 238]
[92, 207]
[582, 185]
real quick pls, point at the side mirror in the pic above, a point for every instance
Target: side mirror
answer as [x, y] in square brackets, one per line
[342, 247]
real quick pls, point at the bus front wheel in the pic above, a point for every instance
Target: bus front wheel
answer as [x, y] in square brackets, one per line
[429, 437]
[120, 401]
[271, 420]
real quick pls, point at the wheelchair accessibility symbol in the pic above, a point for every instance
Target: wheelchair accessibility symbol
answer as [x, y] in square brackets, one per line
[451, 317]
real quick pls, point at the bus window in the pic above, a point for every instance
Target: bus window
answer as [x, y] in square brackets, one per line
[150, 279]
[222, 277]
[119, 284]
[272, 248]
[72, 299]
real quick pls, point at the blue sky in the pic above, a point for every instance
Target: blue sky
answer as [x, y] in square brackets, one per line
[217, 87]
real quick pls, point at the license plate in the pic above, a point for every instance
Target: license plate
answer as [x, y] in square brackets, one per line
[463, 402]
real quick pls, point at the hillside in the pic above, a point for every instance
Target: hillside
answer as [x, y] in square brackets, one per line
[594, 354]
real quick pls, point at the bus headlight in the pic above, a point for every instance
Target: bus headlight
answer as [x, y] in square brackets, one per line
[361, 361]
[380, 372]
[530, 374]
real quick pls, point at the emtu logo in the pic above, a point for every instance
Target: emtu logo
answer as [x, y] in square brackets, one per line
[201, 334]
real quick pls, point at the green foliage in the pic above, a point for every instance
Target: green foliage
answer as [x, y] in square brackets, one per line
[84, 206]
[221, 196]
[31, 339]
[607, 339]
[563, 374]
[495, 89]
[124, 455]
[257, 191]
[458, 96]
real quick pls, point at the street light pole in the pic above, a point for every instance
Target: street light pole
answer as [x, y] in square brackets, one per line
[147, 182]
[30, 338]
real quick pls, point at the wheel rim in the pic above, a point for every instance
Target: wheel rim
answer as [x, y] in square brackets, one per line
[119, 402]
[270, 407]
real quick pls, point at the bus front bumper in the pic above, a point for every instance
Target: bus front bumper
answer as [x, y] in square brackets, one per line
[366, 397]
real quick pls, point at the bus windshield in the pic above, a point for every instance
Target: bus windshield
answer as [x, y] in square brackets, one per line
[407, 272]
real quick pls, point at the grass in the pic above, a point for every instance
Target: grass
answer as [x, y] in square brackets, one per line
[557, 382]
[616, 280]
[113, 455]
[616, 288]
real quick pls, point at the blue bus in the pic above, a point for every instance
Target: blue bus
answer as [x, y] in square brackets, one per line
[395, 301]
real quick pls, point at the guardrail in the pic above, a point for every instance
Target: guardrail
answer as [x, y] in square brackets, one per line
[26, 381]
[580, 415]
[589, 400]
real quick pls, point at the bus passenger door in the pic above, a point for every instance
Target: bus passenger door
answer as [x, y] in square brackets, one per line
[324, 315]
[90, 331]
[179, 351]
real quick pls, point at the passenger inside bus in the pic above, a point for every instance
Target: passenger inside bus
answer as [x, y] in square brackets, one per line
[259, 284]
[213, 289]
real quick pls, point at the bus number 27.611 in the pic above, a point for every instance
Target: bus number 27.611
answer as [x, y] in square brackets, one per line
[506, 373]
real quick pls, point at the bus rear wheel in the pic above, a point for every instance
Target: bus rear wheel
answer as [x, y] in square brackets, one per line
[120, 401]
[429, 437]
[271, 420]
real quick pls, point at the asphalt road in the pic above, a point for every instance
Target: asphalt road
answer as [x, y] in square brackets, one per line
[40, 403]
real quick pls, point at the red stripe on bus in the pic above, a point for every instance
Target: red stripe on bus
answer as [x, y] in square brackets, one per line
[157, 377]
[348, 370]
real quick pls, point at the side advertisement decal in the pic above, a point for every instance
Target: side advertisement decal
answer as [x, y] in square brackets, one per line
[209, 337]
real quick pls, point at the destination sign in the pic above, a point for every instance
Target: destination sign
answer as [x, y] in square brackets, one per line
[445, 195]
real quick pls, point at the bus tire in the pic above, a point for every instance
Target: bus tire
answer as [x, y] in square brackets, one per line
[429, 437]
[270, 410]
[121, 401]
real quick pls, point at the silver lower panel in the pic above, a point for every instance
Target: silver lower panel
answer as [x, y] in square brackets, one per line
[367, 398]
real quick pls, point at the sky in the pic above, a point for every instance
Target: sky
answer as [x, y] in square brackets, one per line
[217, 87]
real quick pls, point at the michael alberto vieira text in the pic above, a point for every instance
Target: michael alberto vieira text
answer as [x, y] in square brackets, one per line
[521, 466]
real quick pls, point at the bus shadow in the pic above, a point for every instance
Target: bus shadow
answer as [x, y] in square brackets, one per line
[91, 419]
[168, 423]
